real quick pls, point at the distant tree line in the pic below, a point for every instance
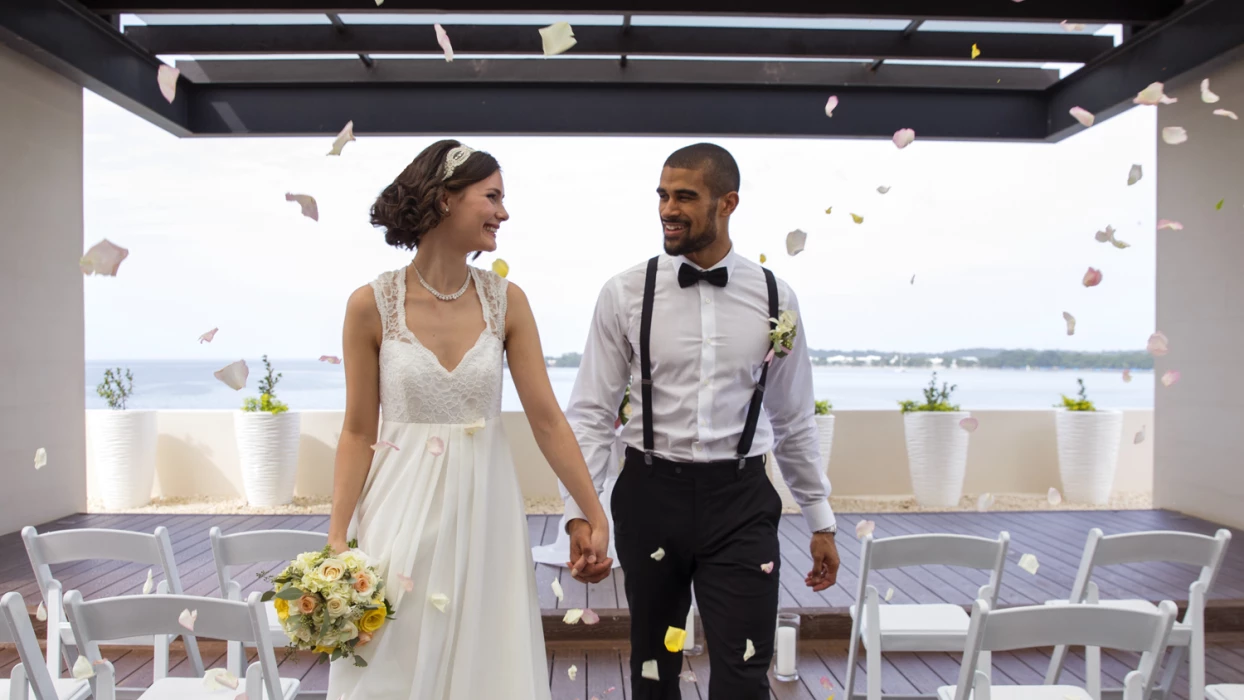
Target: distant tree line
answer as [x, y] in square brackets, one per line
[983, 357]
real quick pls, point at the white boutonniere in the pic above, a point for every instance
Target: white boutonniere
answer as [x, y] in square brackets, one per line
[782, 338]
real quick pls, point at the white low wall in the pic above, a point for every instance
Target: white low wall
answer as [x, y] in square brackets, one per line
[1011, 452]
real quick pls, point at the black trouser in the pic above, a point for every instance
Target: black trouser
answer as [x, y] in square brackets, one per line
[717, 524]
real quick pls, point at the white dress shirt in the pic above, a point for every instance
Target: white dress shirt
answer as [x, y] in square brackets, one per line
[707, 347]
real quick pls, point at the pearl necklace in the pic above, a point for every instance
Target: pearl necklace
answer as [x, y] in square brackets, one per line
[439, 295]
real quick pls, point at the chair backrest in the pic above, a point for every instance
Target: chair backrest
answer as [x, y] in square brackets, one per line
[63, 546]
[16, 629]
[1141, 631]
[103, 620]
[935, 549]
[245, 548]
[1151, 546]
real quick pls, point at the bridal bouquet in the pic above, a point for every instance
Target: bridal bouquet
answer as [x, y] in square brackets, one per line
[330, 603]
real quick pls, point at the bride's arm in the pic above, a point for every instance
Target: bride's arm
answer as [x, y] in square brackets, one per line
[361, 356]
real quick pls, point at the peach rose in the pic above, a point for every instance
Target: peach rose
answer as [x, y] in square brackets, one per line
[364, 583]
[364, 637]
[307, 604]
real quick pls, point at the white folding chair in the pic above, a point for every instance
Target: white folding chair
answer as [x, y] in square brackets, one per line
[1142, 631]
[1188, 634]
[155, 550]
[1225, 691]
[246, 548]
[925, 627]
[35, 671]
[110, 619]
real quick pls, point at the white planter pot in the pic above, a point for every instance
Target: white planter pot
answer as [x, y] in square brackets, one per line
[1088, 453]
[268, 452]
[124, 443]
[825, 431]
[937, 455]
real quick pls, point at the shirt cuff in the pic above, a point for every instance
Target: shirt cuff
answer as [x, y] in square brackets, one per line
[818, 516]
[571, 511]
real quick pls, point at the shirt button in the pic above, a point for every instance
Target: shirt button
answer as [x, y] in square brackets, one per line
[705, 382]
[707, 300]
[703, 423]
[697, 446]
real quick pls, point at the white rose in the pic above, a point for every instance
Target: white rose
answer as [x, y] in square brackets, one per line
[303, 634]
[330, 570]
[354, 559]
[347, 632]
[336, 606]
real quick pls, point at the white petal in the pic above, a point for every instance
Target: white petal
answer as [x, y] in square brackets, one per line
[41, 613]
[1168, 100]
[385, 443]
[1172, 225]
[557, 38]
[104, 258]
[82, 668]
[440, 601]
[650, 670]
[149, 584]
[1140, 436]
[1151, 95]
[1053, 496]
[310, 209]
[795, 241]
[572, 671]
[557, 589]
[41, 458]
[1072, 26]
[659, 554]
[883, 189]
[749, 651]
[1071, 323]
[889, 594]
[219, 679]
[1028, 563]
[1158, 344]
[1206, 94]
[831, 105]
[1174, 135]
[234, 376]
[1082, 115]
[1227, 113]
[969, 424]
[330, 359]
[346, 136]
[985, 502]
[187, 618]
[166, 77]
[767, 567]
[687, 676]
[573, 616]
[864, 527]
[1134, 175]
[442, 38]
[208, 336]
[436, 446]
[475, 427]
[903, 137]
[408, 583]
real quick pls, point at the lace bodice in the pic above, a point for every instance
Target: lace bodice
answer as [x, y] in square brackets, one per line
[414, 386]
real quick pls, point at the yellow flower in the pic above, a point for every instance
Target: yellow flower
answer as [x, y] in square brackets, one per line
[373, 619]
[282, 608]
[323, 650]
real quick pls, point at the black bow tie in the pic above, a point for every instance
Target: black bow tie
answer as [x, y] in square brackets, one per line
[688, 275]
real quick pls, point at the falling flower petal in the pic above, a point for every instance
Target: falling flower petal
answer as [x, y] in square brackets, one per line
[674, 638]
[1072, 26]
[913, 279]
[864, 527]
[1170, 378]
[330, 359]
[104, 258]
[763, 259]
[904, 137]
[436, 446]
[475, 427]
[187, 618]
[440, 601]
[831, 105]
[1174, 135]
[41, 458]
[1071, 323]
[501, 267]
[385, 443]
[234, 376]
[826, 683]
[442, 39]
[1218, 206]
[346, 136]
[1127, 375]
[1140, 436]
[975, 51]
[41, 613]
[166, 78]
[1053, 496]
[650, 670]
[1168, 100]
[208, 336]
[590, 617]
[309, 208]
[829, 210]
[82, 668]
[857, 218]
[408, 583]
[767, 567]
[969, 424]
[795, 241]
[1206, 94]
[985, 502]
[557, 589]
[219, 679]
[1028, 563]
[573, 616]
[1227, 113]
[889, 594]
[1082, 115]
[572, 671]
[1134, 175]
[1092, 278]
[659, 554]
[557, 38]
[749, 651]
[1167, 223]
[1158, 344]
[1151, 95]
[149, 584]
[1105, 234]
[1120, 244]
[883, 189]
[687, 676]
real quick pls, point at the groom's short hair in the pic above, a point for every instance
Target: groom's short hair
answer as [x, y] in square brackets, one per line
[721, 172]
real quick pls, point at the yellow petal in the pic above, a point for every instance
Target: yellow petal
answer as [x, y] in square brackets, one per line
[501, 267]
[440, 601]
[572, 671]
[557, 38]
[650, 671]
[573, 616]
[82, 668]
[41, 614]
[830, 210]
[1028, 563]
[659, 554]
[674, 639]
[750, 651]
[857, 218]
[975, 51]
[762, 258]
[889, 594]
[148, 586]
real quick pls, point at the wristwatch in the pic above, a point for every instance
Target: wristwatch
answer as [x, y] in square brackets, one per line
[832, 529]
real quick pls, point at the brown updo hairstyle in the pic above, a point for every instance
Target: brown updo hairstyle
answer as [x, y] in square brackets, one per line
[411, 205]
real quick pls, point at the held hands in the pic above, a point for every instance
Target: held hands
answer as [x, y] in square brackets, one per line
[589, 547]
[824, 562]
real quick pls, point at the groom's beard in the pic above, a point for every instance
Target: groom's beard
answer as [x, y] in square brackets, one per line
[693, 242]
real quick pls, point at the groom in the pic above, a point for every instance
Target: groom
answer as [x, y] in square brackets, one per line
[693, 504]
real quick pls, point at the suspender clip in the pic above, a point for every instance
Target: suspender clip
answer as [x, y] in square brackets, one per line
[742, 461]
[648, 457]
[647, 382]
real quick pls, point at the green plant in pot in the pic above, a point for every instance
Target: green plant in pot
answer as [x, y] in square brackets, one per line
[267, 434]
[123, 444]
[937, 447]
[935, 399]
[1088, 448]
[117, 388]
[267, 402]
[1080, 403]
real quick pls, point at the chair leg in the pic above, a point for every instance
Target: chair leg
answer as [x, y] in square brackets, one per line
[1173, 662]
[984, 664]
[1092, 671]
[873, 675]
[849, 681]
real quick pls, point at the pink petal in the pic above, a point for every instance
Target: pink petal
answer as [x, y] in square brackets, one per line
[1174, 135]
[1072, 26]
[386, 443]
[825, 682]
[969, 424]
[1227, 113]
[1053, 496]
[769, 357]
[330, 359]
[1170, 378]
[904, 137]
[346, 136]
[589, 617]
[1139, 437]
[1173, 225]
[864, 527]
[1082, 115]
[1092, 278]
[1127, 375]
[234, 376]
[443, 39]
[309, 208]
[436, 446]
[104, 258]
[1151, 95]
[408, 584]
[831, 105]
[1157, 345]
[166, 77]
[767, 567]
[208, 336]
[1071, 323]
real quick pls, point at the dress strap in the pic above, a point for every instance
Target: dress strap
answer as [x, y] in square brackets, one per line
[493, 296]
[390, 298]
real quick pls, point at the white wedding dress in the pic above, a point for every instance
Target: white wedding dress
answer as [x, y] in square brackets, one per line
[454, 522]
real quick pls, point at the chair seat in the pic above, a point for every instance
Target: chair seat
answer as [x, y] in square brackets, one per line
[1181, 632]
[936, 627]
[1023, 692]
[66, 689]
[193, 688]
[1225, 691]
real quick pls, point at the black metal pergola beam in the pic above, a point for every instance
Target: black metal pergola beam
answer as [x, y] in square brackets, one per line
[613, 41]
[1127, 11]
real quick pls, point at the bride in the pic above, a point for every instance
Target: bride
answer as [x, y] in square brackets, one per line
[432, 493]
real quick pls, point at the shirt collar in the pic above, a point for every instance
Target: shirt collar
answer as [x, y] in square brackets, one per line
[727, 262]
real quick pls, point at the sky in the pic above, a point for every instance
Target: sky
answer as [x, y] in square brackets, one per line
[997, 235]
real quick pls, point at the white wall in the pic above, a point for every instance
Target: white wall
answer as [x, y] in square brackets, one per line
[1199, 468]
[41, 318]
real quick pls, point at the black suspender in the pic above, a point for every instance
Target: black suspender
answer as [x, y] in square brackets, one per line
[645, 365]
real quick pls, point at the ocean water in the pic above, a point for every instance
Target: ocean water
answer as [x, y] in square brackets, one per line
[314, 385]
